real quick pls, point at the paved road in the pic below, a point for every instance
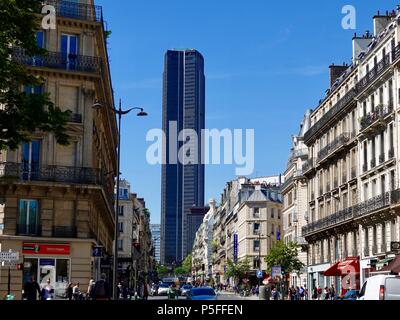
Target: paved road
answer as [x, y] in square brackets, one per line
[221, 296]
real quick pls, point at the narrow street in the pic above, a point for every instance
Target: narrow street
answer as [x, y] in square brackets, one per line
[220, 296]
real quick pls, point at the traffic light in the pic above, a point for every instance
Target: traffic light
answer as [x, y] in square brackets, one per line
[20, 266]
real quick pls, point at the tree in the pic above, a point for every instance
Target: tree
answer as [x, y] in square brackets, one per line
[285, 256]
[187, 264]
[238, 270]
[179, 271]
[162, 270]
[23, 113]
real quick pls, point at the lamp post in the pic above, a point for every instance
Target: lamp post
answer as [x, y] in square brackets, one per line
[97, 105]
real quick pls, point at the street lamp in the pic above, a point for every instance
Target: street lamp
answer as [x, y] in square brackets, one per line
[97, 105]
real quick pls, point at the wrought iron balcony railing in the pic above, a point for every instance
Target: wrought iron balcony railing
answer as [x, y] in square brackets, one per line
[32, 230]
[59, 60]
[333, 146]
[65, 232]
[379, 113]
[287, 183]
[359, 210]
[372, 75]
[63, 174]
[333, 112]
[74, 10]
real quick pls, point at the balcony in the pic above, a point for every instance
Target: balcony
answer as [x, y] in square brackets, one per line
[64, 232]
[332, 147]
[330, 115]
[308, 165]
[62, 174]
[31, 230]
[375, 119]
[300, 241]
[73, 10]
[61, 61]
[287, 183]
[372, 75]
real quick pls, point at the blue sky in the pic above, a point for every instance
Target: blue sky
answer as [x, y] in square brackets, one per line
[266, 62]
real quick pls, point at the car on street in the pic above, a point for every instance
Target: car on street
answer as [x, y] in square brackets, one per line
[154, 289]
[163, 289]
[350, 295]
[381, 287]
[185, 289]
[202, 293]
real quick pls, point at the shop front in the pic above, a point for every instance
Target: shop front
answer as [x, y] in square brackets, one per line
[47, 262]
[316, 276]
[346, 275]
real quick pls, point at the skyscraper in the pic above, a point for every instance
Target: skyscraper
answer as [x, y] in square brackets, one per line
[155, 237]
[182, 185]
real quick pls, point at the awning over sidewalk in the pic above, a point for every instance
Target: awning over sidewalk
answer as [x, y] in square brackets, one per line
[394, 266]
[342, 268]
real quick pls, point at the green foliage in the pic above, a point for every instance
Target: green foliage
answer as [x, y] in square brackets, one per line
[179, 271]
[238, 270]
[23, 114]
[187, 264]
[285, 256]
[162, 270]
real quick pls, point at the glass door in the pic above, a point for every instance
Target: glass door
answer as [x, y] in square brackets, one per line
[31, 160]
[69, 51]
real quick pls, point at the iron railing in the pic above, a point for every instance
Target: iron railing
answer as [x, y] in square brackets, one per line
[32, 230]
[359, 210]
[333, 112]
[372, 75]
[63, 174]
[59, 60]
[379, 113]
[74, 10]
[65, 232]
[338, 142]
[287, 183]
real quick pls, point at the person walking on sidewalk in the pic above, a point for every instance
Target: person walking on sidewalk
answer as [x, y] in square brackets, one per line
[31, 290]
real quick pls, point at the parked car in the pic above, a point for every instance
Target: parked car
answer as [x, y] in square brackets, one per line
[154, 290]
[202, 293]
[185, 289]
[350, 295]
[381, 287]
[163, 289]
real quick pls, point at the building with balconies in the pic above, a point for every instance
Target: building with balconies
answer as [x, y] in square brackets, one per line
[57, 201]
[294, 193]
[352, 171]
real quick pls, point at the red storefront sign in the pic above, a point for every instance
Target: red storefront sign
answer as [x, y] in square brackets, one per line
[46, 249]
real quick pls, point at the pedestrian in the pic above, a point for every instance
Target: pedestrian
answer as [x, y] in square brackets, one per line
[306, 297]
[31, 290]
[275, 294]
[89, 293]
[315, 294]
[76, 292]
[68, 291]
[332, 292]
[172, 292]
[326, 294]
[297, 294]
[319, 293]
[301, 293]
[48, 291]
[145, 291]
[101, 290]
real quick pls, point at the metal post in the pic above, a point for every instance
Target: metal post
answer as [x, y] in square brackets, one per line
[116, 231]
[9, 281]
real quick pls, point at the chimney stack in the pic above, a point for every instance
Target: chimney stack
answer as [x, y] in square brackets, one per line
[380, 23]
[336, 72]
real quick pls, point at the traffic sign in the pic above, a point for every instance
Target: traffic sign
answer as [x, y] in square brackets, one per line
[276, 271]
[260, 274]
[9, 256]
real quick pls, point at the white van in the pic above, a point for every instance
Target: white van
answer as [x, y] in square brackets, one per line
[381, 287]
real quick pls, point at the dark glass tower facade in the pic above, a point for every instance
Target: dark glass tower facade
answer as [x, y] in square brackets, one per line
[182, 185]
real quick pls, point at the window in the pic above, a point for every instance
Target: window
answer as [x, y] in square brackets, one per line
[69, 48]
[40, 39]
[120, 244]
[272, 213]
[256, 212]
[279, 213]
[256, 263]
[121, 210]
[256, 228]
[30, 160]
[256, 245]
[28, 217]
[272, 229]
[120, 226]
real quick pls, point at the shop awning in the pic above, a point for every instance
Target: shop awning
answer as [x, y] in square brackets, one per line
[383, 263]
[342, 268]
[394, 266]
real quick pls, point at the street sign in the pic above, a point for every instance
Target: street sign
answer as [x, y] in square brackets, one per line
[9, 256]
[260, 274]
[276, 271]
[8, 264]
[97, 251]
